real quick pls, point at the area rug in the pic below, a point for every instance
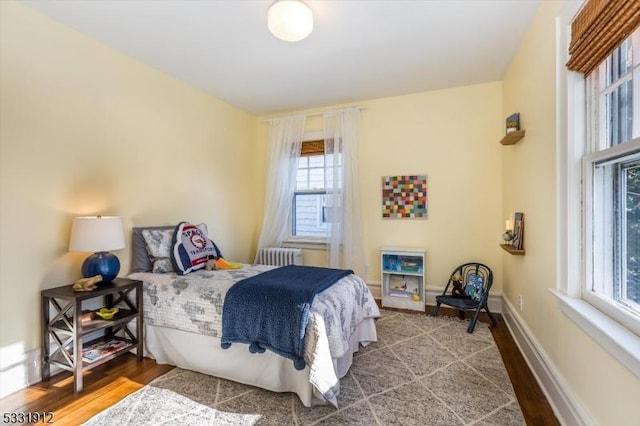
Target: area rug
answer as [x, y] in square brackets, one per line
[422, 371]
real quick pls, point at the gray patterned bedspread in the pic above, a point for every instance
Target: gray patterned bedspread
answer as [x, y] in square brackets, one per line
[194, 303]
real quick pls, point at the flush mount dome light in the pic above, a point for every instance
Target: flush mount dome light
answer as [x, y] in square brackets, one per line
[290, 20]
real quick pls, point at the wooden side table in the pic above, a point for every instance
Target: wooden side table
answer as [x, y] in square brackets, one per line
[63, 336]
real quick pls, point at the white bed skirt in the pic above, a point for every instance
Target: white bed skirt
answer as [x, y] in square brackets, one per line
[267, 370]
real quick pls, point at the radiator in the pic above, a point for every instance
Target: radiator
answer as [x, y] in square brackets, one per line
[279, 256]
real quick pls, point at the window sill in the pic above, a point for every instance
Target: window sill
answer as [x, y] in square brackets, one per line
[616, 339]
[306, 244]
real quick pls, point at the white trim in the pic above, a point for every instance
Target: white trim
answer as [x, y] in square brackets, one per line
[574, 254]
[376, 289]
[563, 400]
[615, 338]
[19, 370]
[570, 116]
[305, 244]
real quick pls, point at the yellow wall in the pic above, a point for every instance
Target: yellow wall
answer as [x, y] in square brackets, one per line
[453, 137]
[87, 130]
[607, 390]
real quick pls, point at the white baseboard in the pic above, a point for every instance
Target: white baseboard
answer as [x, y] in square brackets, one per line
[376, 289]
[18, 370]
[564, 404]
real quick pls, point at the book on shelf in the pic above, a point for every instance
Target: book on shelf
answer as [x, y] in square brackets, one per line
[518, 231]
[411, 264]
[391, 262]
[100, 350]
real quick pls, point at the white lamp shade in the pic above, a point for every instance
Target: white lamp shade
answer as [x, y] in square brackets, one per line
[290, 20]
[96, 234]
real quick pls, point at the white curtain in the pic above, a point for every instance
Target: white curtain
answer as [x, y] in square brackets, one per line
[285, 142]
[346, 239]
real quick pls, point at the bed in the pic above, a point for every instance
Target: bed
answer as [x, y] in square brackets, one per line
[183, 327]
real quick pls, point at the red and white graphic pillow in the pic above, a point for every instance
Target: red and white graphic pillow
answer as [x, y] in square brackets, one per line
[191, 248]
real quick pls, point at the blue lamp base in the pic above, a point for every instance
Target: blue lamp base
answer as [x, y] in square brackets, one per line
[101, 263]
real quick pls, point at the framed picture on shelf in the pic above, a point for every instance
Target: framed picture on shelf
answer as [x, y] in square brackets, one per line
[518, 231]
[513, 122]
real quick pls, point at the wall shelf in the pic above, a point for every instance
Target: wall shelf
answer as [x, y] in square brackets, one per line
[512, 137]
[511, 250]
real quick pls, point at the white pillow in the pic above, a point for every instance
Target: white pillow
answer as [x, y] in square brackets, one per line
[158, 244]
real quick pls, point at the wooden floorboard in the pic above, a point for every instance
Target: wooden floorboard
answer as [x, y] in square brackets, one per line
[109, 383]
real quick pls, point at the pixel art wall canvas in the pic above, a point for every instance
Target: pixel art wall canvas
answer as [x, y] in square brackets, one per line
[404, 197]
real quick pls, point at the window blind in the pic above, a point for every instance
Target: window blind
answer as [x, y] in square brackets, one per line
[310, 148]
[599, 27]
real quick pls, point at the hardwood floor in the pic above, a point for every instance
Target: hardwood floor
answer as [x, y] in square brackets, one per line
[109, 383]
[103, 386]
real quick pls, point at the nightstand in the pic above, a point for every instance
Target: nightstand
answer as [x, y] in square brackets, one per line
[69, 331]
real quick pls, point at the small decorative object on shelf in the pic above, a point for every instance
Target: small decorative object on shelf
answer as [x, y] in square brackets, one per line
[512, 130]
[513, 122]
[87, 284]
[514, 240]
[508, 233]
[403, 272]
[507, 236]
[106, 313]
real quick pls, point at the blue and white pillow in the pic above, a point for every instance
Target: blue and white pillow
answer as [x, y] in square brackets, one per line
[191, 248]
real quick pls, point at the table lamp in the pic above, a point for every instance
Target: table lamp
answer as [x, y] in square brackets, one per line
[98, 234]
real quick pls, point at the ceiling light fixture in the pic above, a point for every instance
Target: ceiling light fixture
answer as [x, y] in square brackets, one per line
[290, 20]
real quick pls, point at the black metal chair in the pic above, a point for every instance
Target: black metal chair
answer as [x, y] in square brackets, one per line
[470, 284]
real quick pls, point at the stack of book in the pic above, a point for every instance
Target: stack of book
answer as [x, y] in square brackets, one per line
[100, 350]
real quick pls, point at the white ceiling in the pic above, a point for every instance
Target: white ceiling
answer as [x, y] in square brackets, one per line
[358, 50]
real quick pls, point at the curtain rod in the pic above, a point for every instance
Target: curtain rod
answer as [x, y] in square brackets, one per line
[312, 114]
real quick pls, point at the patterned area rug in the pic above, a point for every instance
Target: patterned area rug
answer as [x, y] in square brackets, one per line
[422, 371]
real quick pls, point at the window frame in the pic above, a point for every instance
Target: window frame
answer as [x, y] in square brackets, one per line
[319, 213]
[571, 136]
[618, 154]
[309, 242]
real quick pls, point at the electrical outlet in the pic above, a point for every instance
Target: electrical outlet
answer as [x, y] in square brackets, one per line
[520, 302]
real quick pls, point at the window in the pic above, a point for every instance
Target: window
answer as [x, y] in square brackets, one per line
[611, 178]
[310, 215]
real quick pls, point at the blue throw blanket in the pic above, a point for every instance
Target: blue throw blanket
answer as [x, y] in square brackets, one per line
[271, 310]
